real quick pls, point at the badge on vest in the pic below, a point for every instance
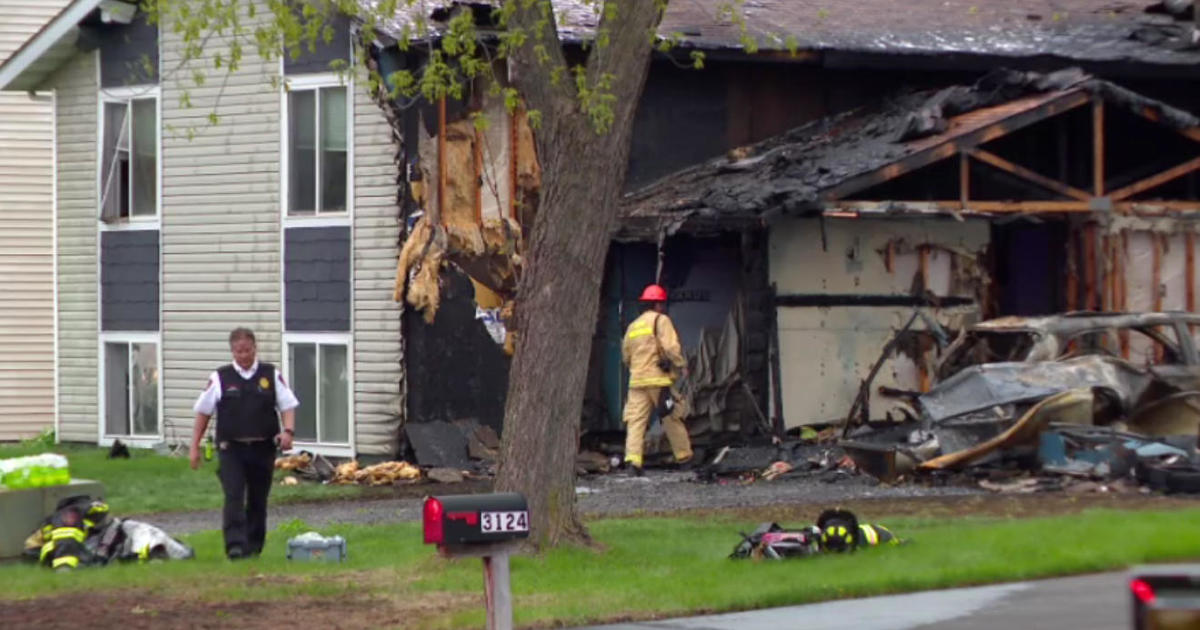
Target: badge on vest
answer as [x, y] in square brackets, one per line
[263, 383]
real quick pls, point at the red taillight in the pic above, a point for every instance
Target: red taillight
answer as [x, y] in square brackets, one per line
[1143, 591]
[433, 522]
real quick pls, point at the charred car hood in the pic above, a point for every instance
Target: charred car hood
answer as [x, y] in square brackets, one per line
[985, 386]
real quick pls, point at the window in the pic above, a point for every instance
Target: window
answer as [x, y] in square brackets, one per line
[130, 388]
[129, 164]
[319, 373]
[317, 150]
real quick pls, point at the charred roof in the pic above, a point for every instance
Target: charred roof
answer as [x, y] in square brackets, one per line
[797, 171]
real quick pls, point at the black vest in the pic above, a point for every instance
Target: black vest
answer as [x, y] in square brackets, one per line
[246, 410]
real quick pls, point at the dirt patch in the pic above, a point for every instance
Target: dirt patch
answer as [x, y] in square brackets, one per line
[144, 610]
[1000, 506]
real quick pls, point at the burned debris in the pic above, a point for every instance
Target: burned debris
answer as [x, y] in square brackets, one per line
[1055, 397]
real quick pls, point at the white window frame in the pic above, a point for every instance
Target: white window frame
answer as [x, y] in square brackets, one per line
[103, 438]
[313, 82]
[328, 449]
[125, 95]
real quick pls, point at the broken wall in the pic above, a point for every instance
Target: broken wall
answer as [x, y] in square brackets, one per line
[843, 290]
[1148, 266]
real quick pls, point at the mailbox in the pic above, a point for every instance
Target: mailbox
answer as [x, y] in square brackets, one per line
[475, 519]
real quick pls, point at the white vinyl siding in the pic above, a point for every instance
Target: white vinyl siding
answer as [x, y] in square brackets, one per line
[26, 234]
[378, 344]
[76, 103]
[220, 221]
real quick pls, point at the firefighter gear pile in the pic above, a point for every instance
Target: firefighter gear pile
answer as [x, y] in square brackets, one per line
[836, 531]
[652, 352]
[81, 533]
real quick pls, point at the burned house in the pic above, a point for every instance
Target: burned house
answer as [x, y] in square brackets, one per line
[800, 205]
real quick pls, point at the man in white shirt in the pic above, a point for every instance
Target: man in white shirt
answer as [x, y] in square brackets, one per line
[250, 399]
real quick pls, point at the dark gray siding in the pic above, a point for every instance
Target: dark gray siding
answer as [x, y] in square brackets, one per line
[324, 53]
[129, 280]
[125, 52]
[316, 275]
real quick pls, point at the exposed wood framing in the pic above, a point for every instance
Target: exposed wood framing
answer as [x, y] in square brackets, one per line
[1151, 114]
[949, 147]
[1098, 147]
[1028, 175]
[1108, 301]
[1089, 267]
[1154, 181]
[1122, 255]
[964, 179]
[441, 158]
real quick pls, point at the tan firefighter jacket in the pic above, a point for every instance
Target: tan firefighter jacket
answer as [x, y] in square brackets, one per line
[649, 338]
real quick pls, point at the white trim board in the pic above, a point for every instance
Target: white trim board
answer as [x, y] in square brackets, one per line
[126, 94]
[102, 436]
[61, 32]
[313, 82]
[331, 339]
[54, 256]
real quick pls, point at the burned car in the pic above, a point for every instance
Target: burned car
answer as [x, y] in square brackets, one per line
[1004, 381]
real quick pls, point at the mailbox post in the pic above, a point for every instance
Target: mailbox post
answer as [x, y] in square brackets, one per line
[489, 526]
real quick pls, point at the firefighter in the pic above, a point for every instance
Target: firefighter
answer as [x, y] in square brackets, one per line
[249, 399]
[653, 355]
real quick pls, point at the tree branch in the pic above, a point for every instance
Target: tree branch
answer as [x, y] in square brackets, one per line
[539, 65]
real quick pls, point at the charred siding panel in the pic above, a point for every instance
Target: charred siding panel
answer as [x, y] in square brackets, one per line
[220, 221]
[78, 271]
[129, 280]
[316, 277]
[26, 259]
[378, 343]
[456, 370]
[826, 350]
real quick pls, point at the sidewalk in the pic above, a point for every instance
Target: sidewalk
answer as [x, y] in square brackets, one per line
[1093, 602]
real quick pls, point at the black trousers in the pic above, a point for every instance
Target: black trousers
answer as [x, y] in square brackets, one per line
[245, 471]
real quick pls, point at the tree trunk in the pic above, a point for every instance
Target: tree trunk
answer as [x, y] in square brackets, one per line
[557, 299]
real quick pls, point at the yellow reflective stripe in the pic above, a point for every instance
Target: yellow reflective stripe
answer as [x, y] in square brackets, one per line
[88, 524]
[653, 381]
[871, 534]
[636, 460]
[70, 561]
[46, 549]
[639, 331]
[73, 533]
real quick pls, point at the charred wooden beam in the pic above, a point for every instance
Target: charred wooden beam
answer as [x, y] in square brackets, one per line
[1028, 175]
[1154, 181]
[947, 147]
[833, 299]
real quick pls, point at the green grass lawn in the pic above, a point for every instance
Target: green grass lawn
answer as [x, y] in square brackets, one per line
[649, 567]
[148, 482]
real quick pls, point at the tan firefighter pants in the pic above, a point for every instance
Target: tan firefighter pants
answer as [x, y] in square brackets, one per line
[638, 408]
